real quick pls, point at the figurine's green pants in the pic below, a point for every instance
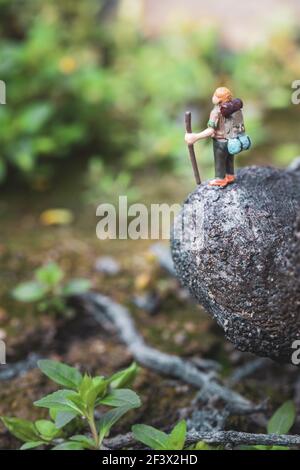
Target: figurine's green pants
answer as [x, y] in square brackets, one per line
[224, 162]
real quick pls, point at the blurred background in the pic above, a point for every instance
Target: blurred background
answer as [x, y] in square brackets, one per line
[96, 92]
[103, 84]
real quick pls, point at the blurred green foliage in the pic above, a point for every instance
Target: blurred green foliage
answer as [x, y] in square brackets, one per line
[101, 182]
[48, 291]
[80, 84]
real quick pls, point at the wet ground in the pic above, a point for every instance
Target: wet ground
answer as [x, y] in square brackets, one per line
[178, 325]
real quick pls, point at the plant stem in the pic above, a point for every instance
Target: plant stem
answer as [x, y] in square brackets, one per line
[92, 424]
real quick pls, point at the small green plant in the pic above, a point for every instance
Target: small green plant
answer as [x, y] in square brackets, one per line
[48, 290]
[159, 440]
[280, 423]
[79, 398]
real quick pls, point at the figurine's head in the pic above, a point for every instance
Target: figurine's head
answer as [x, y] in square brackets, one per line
[222, 95]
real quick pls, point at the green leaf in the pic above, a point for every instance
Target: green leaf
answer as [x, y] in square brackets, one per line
[283, 419]
[91, 389]
[260, 447]
[201, 445]
[69, 446]
[76, 286]
[109, 419]
[47, 429]
[124, 378]
[122, 397]
[85, 385]
[76, 399]
[29, 292]
[21, 428]
[24, 155]
[279, 448]
[61, 401]
[61, 373]
[31, 445]
[245, 447]
[34, 116]
[151, 437]
[49, 275]
[87, 442]
[61, 418]
[178, 435]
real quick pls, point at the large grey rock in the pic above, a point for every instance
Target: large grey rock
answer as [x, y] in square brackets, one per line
[237, 250]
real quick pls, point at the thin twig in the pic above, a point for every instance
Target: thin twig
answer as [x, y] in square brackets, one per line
[247, 369]
[216, 437]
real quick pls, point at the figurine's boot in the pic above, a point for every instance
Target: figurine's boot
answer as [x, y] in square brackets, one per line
[230, 179]
[219, 182]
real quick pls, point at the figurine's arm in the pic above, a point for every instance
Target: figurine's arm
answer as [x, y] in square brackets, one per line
[193, 137]
[208, 132]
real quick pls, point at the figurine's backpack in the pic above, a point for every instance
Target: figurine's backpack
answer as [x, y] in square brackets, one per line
[234, 126]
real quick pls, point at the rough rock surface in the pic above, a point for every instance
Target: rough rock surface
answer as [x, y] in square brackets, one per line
[237, 250]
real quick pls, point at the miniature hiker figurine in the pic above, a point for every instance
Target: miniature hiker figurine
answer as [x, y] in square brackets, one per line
[226, 127]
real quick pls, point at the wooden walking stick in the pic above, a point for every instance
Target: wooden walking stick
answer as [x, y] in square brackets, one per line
[188, 126]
